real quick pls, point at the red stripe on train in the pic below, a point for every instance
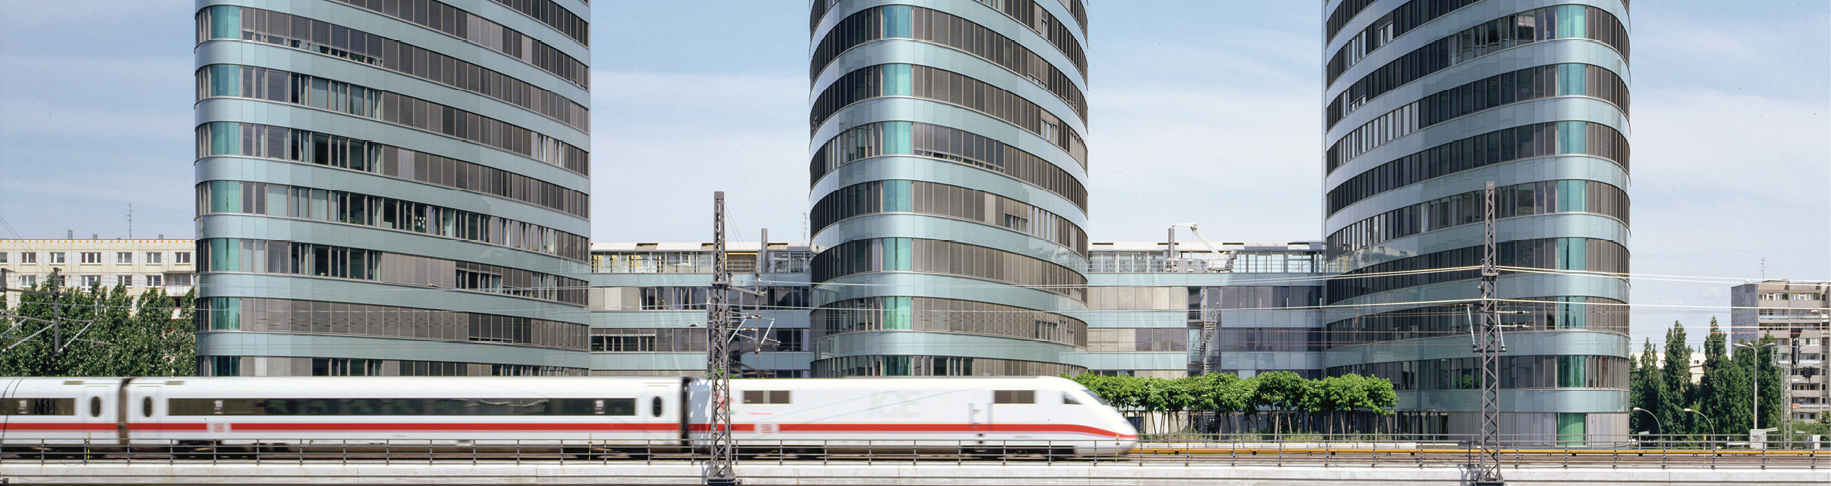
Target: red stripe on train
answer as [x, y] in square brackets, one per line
[164, 426]
[983, 428]
[54, 426]
[450, 427]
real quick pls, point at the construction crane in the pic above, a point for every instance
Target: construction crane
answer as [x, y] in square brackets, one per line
[1222, 261]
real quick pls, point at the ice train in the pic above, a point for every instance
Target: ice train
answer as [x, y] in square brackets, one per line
[963, 415]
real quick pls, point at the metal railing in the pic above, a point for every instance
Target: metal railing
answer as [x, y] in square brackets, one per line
[1308, 450]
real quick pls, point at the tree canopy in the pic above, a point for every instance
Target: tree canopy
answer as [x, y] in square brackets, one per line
[105, 332]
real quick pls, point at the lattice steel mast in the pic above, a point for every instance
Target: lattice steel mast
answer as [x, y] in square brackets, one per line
[1489, 345]
[720, 466]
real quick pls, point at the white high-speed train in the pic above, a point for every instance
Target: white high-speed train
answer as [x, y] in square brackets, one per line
[965, 415]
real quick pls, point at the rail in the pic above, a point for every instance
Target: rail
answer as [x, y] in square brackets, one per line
[1713, 452]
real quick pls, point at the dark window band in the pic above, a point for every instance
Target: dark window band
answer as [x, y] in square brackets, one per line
[339, 318]
[959, 146]
[294, 145]
[1022, 10]
[1504, 89]
[649, 340]
[228, 22]
[1384, 30]
[240, 197]
[1582, 254]
[1545, 197]
[945, 315]
[295, 258]
[1517, 372]
[299, 89]
[875, 365]
[1500, 146]
[1545, 314]
[1344, 12]
[1538, 25]
[947, 257]
[550, 13]
[941, 28]
[946, 86]
[945, 200]
[402, 406]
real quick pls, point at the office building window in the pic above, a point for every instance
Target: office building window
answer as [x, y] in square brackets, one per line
[152, 257]
[3, 257]
[181, 257]
[92, 280]
[92, 257]
[124, 257]
[153, 281]
[28, 281]
[56, 258]
[124, 280]
[28, 258]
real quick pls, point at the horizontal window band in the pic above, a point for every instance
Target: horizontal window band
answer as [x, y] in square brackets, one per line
[302, 146]
[946, 143]
[231, 80]
[238, 197]
[1527, 199]
[1580, 254]
[253, 314]
[1496, 147]
[944, 200]
[1538, 25]
[1534, 83]
[361, 46]
[906, 22]
[945, 315]
[947, 257]
[1548, 314]
[889, 80]
[306, 259]
[1516, 372]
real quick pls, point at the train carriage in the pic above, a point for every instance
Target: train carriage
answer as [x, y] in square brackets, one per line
[629, 413]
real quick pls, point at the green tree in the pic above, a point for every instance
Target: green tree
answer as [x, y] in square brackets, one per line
[1676, 376]
[104, 332]
[1646, 389]
[1723, 393]
[1280, 390]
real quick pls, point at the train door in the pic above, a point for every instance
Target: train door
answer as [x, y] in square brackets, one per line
[655, 411]
[95, 410]
[141, 412]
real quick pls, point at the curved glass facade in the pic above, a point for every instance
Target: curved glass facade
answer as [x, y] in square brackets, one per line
[948, 166]
[1426, 102]
[384, 185]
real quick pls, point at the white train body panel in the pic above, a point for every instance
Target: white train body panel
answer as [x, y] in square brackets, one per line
[925, 413]
[956, 414]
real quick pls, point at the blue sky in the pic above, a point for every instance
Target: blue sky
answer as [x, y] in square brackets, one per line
[1201, 111]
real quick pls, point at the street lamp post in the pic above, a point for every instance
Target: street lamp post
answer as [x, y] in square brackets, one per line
[1756, 396]
[1662, 428]
[1713, 423]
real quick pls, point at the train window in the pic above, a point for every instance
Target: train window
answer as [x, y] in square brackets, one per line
[1069, 399]
[1014, 396]
[146, 406]
[95, 406]
[38, 406]
[655, 406]
[402, 406]
[766, 397]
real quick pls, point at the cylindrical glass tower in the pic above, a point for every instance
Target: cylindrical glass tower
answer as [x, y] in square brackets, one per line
[392, 187]
[1426, 102]
[948, 181]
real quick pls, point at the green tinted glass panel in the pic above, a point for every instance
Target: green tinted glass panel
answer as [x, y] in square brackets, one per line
[1571, 428]
[896, 21]
[897, 139]
[225, 22]
[897, 80]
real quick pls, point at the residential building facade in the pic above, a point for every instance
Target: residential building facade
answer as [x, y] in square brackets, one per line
[948, 174]
[1426, 103]
[154, 265]
[1798, 316]
[392, 187]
